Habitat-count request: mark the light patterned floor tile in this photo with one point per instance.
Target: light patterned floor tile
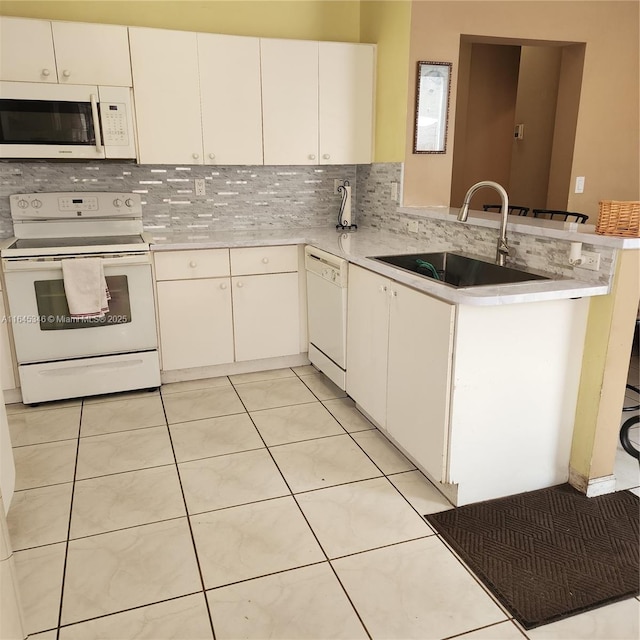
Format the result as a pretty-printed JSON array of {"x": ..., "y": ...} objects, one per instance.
[
  {"x": 269, "y": 394},
  {"x": 424, "y": 497},
  {"x": 184, "y": 618},
  {"x": 40, "y": 465},
  {"x": 500, "y": 631},
  {"x": 125, "y": 500},
  {"x": 39, "y": 516},
  {"x": 253, "y": 540},
  {"x": 259, "y": 376},
  {"x": 618, "y": 621},
  {"x": 35, "y": 427},
  {"x": 302, "y": 603},
  {"x": 360, "y": 516},
  {"x": 126, "y": 451},
  {"x": 129, "y": 568},
  {"x": 345, "y": 412},
  {"x": 201, "y": 403},
  {"x": 214, "y": 437},
  {"x": 18, "y": 407},
  {"x": 122, "y": 395},
  {"x": 225, "y": 481},
  {"x": 415, "y": 590},
  {"x": 295, "y": 423},
  {"x": 39, "y": 573},
  {"x": 122, "y": 415},
  {"x": 384, "y": 454},
  {"x": 305, "y": 370},
  {"x": 315, "y": 464},
  {"x": 194, "y": 385},
  {"x": 322, "y": 387}
]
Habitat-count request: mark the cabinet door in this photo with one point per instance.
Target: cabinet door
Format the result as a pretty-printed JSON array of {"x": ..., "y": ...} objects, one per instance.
[
  {"x": 7, "y": 377},
  {"x": 266, "y": 316},
  {"x": 367, "y": 341},
  {"x": 419, "y": 371},
  {"x": 167, "y": 95},
  {"x": 26, "y": 50},
  {"x": 229, "y": 69},
  {"x": 290, "y": 101},
  {"x": 346, "y": 82},
  {"x": 92, "y": 53},
  {"x": 194, "y": 317}
]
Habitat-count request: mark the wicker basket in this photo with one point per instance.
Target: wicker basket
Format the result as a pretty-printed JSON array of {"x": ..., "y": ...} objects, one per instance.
[{"x": 619, "y": 218}]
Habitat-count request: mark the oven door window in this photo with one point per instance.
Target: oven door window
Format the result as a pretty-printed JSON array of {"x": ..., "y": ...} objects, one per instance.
[
  {"x": 46, "y": 122},
  {"x": 53, "y": 310}
]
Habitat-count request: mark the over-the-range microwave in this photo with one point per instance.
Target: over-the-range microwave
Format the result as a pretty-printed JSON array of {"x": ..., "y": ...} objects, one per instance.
[{"x": 65, "y": 121}]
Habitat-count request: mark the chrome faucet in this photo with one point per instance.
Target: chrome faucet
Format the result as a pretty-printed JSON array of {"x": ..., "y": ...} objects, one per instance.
[{"x": 503, "y": 249}]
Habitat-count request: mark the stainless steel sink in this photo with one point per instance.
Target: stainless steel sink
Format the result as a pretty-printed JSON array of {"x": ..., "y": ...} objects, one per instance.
[{"x": 457, "y": 270}]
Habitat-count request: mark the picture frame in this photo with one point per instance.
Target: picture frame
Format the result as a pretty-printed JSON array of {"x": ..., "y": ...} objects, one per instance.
[{"x": 433, "y": 87}]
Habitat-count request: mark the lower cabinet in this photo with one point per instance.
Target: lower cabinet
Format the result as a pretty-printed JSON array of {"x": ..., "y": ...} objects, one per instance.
[
  {"x": 7, "y": 376},
  {"x": 399, "y": 353},
  {"x": 217, "y": 306}
]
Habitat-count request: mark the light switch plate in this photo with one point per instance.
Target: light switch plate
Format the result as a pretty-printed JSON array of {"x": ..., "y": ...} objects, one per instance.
[{"x": 580, "y": 184}]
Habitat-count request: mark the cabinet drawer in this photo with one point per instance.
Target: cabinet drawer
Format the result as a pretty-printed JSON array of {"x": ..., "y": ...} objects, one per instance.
[
  {"x": 186, "y": 265},
  {"x": 257, "y": 260}
]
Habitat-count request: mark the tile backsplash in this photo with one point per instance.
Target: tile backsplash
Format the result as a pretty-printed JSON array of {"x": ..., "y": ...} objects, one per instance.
[{"x": 238, "y": 197}]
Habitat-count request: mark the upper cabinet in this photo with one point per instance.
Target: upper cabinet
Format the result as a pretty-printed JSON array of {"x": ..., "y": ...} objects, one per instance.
[
  {"x": 167, "y": 95},
  {"x": 229, "y": 68},
  {"x": 317, "y": 100},
  {"x": 346, "y": 96},
  {"x": 64, "y": 52},
  {"x": 290, "y": 101},
  {"x": 197, "y": 97}
]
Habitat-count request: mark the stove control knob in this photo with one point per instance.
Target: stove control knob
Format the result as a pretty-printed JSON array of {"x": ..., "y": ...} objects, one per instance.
[
  {"x": 129, "y": 202},
  {"x": 117, "y": 202},
  {"x": 23, "y": 204},
  {"x": 36, "y": 204}
]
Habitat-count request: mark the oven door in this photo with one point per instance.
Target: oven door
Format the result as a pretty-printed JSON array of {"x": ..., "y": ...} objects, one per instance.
[{"x": 43, "y": 329}]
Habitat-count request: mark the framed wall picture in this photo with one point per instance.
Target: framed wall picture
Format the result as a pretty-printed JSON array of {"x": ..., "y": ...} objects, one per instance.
[{"x": 432, "y": 107}]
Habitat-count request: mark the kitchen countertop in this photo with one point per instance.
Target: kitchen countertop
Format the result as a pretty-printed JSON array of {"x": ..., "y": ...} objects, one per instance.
[{"x": 357, "y": 246}]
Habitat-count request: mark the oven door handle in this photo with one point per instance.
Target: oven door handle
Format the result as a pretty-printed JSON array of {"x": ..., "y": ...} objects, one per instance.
[
  {"x": 96, "y": 122},
  {"x": 48, "y": 264}
]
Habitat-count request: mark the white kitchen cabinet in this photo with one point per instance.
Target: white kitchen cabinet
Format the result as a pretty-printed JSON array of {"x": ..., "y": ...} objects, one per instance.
[
  {"x": 65, "y": 52},
  {"x": 399, "y": 345},
  {"x": 290, "y": 101},
  {"x": 167, "y": 95},
  {"x": 7, "y": 375},
  {"x": 194, "y": 308},
  {"x": 266, "y": 302},
  {"x": 229, "y": 69},
  {"x": 346, "y": 97},
  {"x": 317, "y": 102}
]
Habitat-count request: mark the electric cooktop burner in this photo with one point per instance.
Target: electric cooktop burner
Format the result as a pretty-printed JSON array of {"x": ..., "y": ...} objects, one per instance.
[{"x": 62, "y": 243}]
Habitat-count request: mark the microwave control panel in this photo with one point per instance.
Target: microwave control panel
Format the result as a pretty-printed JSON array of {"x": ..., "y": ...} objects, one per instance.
[{"x": 114, "y": 124}]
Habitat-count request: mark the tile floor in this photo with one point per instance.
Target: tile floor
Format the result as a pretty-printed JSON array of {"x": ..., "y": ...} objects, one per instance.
[{"x": 255, "y": 506}]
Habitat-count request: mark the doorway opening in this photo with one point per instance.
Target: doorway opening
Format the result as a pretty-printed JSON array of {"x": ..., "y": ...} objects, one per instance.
[{"x": 515, "y": 122}]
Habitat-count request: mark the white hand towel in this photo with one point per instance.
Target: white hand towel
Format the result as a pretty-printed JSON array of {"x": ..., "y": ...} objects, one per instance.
[{"x": 85, "y": 287}]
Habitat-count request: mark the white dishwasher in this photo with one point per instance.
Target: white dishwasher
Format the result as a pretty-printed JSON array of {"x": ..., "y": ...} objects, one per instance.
[{"x": 327, "y": 313}]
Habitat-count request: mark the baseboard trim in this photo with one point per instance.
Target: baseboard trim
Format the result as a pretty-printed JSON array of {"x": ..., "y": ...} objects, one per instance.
[{"x": 592, "y": 487}]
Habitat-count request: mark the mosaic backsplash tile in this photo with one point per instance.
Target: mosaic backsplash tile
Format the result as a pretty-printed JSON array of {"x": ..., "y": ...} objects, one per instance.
[{"x": 239, "y": 197}]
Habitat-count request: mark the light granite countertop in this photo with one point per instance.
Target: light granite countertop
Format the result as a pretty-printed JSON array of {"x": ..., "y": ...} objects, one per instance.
[{"x": 358, "y": 246}]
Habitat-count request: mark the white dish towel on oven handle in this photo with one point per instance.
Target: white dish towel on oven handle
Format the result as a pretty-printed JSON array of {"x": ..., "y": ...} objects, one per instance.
[{"x": 85, "y": 287}]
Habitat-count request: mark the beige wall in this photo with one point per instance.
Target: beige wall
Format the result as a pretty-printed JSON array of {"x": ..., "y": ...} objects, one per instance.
[{"x": 607, "y": 131}]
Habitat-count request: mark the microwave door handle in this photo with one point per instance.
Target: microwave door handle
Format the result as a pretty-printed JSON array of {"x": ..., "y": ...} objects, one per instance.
[{"x": 96, "y": 122}]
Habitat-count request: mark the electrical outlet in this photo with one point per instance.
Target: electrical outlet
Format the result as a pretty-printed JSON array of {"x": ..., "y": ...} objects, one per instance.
[
  {"x": 394, "y": 191},
  {"x": 200, "y": 190},
  {"x": 590, "y": 261}
]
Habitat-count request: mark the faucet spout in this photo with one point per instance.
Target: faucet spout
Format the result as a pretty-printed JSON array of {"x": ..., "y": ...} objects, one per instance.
[{"x": 503, "y": 248}]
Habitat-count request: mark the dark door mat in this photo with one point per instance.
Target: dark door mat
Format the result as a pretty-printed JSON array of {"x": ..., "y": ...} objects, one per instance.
[{"x": 549, "y": 554}]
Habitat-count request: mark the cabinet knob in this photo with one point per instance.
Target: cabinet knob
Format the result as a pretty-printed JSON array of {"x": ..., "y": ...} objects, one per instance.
[
  {"x": 326, "y": 156},
  {"x": 383, "y": 288},
  {"x": 195, "y": 156},
  {"x": 223, "y": 285},
  {"x": 212, "y": 156},
  {"x": 66, "y": 73},
  {"x": 193, "y": 264},
  {"x": 46, "y": 73},
  {"x": 312, "y": 156},
  {"x": 240, "y": 285},
  {"x": 394, "y": 294},
  {"x": 265, "y": 260}
]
